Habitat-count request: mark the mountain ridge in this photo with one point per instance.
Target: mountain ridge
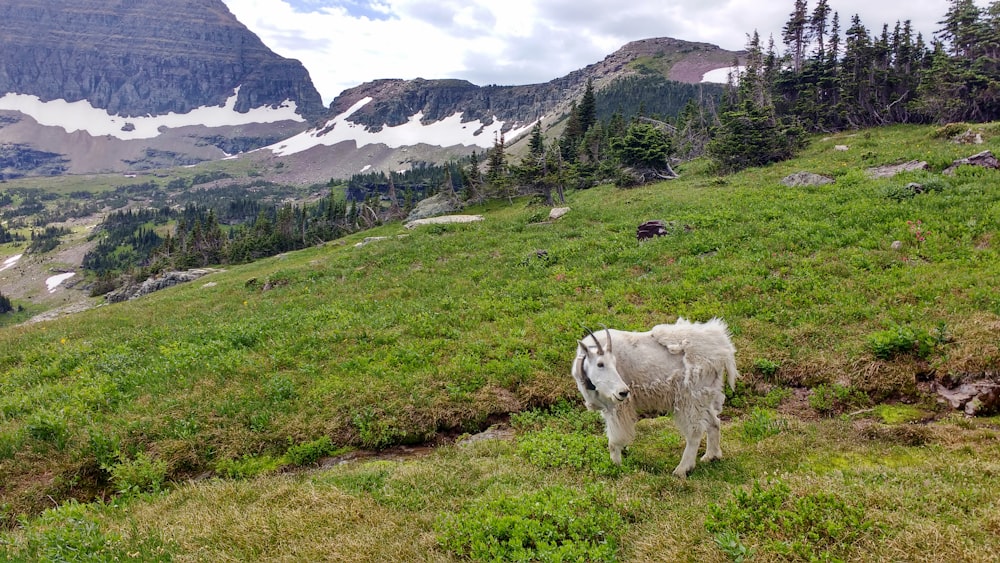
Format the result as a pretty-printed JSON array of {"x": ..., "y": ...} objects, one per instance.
[{"x": 118, "y": 86}]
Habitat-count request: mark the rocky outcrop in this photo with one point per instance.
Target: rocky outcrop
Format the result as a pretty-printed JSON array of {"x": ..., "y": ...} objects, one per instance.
[
  {"x": 984, "y": 159},
  {"x": 890, "y": 170},
  {"x": 156, "y": 283},
  {"x": 441, "y": 203},
  {"x": 801, "y": 179},
  {"x": 137, "y": 58}
]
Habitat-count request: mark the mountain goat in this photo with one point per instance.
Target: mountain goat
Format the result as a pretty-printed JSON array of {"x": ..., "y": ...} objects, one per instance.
[{"x": 677, "y": 368}]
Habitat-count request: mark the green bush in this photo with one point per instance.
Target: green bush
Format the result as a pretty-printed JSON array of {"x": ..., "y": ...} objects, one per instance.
[
  {"x": 811, "y": 527},
  {"x": 140, "y": 475},
  {"x": 247, "y": 467},
  {"x": 309, "y": 453},
  {"x": 900, "y": 340},
  {"x": 766, "y": 368},
  {"x": 550, "y": 448},
  {"x": 554, "y": 524}
]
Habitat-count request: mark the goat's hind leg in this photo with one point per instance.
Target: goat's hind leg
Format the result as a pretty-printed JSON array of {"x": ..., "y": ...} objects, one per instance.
[
  {"x": 692, "y": 438},
  {"x": 713, "y": 438},
  {"x": 713, "y": 427}
]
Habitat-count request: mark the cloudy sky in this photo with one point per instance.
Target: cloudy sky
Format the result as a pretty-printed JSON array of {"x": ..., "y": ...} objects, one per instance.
[{"x": 344, "y": 43}]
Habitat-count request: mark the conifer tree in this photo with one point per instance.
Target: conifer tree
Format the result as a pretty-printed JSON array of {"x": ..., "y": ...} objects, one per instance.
[
  {"x": 587, "y": 109},
  {"x": 569, "y": 143}
]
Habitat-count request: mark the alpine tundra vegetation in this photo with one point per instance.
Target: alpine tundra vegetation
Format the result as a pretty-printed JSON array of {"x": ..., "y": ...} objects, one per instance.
[{"x": 218, "y": 420}]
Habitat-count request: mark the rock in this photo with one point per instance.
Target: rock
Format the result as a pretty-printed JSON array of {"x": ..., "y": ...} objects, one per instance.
[
  {"x": 651, "y": 229},
  {"x": 439, "y": 204},
  {"x": 800, "y": 179},
  {"x": 444, "y": 219},
  {"x": 557, "y": 212},
  {"x": 969, "y": 137},
  {"x": 896, "y": 245},
  {"x": 890, "y": 170},
  {"x": 840, "y": 147},
  {"x": 984, "y": 159},
  {"x": 369, "y": 240},
  {"x": 491, "y": 433},
  {"x": 156, "y": 283},
  {"x": 978, "y": 398}
]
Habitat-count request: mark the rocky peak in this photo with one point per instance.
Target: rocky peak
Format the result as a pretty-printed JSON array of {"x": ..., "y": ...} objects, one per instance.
[
  {"x": 395, "y": 101},
  {"x": 137, "y": 58}
]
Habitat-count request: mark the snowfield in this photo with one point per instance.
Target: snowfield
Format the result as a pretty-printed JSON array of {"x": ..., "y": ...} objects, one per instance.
[
  {"x": 445, "y": 133},
  {"x": 54, "y": 282},
  {"x": 81, "y": 116},
  {"x": 10, "y": 262}
]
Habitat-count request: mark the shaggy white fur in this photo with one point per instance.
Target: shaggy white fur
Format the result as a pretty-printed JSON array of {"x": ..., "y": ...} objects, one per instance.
[{"x": 679, "y": 368}]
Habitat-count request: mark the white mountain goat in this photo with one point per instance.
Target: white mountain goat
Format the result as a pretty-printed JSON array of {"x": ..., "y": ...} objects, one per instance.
[{"x": 679, "y": 368}]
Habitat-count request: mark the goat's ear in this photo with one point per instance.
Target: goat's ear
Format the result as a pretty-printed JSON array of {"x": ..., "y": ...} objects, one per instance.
[{"x": 582, "y": 347}]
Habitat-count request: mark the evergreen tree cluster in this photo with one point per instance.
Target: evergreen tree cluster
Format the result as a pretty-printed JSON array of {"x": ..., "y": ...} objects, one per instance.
[
  {"x": 148, "y": 241},
  {"x": 827, "y": 82}
]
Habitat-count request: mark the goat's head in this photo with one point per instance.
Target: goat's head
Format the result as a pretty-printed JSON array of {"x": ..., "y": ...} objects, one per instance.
[{"x": 596, "y": 373}]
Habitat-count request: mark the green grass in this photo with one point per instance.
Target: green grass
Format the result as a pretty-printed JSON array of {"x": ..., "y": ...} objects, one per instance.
[{"x": 443, "y": 330}]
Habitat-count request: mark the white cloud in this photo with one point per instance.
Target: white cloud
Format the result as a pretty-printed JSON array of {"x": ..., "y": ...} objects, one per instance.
[{"x": 344, "y": 43}]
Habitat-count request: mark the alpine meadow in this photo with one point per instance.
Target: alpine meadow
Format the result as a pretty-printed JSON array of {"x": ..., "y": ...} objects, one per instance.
[
  {"x": 272, "y": 359},
  {"x": 211, "y": 421}
]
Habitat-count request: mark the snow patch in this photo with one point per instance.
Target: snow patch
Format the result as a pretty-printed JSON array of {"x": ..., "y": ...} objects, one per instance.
[
  {"x": 81, "y": 116},
  {"x": 721, "y": 75},
  {"x": 55, "y": 281},
  {"x": 447, "y": 132},
  {"x": 10, "y": 262}
]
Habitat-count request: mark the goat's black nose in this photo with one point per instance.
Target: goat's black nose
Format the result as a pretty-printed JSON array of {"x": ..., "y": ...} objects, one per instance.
[{"x": 623, "y": 394}]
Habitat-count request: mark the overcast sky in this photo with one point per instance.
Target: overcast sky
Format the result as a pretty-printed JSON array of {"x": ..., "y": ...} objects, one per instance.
[{"x": 344, "y": 43}]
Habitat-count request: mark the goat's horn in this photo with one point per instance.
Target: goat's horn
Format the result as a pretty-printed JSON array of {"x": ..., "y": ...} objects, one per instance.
[
  {"x": 608, "y": 332},
  {"x": 600, "y": 349}
]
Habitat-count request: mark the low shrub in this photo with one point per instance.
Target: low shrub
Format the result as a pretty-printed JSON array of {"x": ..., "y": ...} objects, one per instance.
[
  {"x": 900, "y": 340},
  {"x": 247, "y": 467},
  {"x": 554, "y": 524},
  {"x": 810, "y": 527},
  {"x": 309, "y": 453},
  {"x": 143, "y": 474}
]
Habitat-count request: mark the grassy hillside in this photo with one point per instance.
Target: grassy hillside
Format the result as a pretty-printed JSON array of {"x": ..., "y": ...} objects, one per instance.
[{"x": 190, "y": 413}]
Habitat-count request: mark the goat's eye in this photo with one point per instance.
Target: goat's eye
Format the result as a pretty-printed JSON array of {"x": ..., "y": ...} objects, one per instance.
[{"x": 600, "y": 364}]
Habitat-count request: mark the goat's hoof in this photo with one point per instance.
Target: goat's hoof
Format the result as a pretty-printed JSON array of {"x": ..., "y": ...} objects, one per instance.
[
  {"x": 715, "y": 457},
  {"x": 681, "y": 473}
]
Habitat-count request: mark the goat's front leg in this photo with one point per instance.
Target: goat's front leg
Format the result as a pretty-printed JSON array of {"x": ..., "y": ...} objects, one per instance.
[{"x": 621, "y": 433}]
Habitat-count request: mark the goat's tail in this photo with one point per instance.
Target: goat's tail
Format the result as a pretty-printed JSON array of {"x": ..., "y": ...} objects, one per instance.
[{"x": 732, "y": 371}]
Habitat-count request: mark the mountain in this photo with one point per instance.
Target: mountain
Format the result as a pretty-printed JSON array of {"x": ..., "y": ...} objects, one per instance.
[
  {"x": 97, "y": 86},
  {"x": 109, "y": 72},
  {"x": 392, "y": 124}
]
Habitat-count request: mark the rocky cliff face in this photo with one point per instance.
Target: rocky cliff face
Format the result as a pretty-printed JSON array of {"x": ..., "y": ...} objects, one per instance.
[
  {"x": 135, "y": 57},
  {"x": 395, "y": 101}
]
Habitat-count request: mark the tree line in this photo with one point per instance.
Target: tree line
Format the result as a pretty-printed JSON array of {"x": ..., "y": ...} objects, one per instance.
[{"x": 824, "y": 81}]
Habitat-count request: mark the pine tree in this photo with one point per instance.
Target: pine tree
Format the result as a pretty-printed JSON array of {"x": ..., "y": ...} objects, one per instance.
[
  {"x": 569, "y": 143},
  {"x": 587, "y": 109},
  {"x": 796, "y": 34}
]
